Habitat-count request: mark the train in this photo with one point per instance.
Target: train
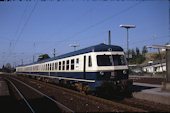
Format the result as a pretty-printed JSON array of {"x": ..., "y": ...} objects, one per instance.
[{"x": 86, "y": 69}]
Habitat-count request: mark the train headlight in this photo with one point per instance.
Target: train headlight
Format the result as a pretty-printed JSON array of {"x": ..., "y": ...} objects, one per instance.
[
  {"x": 101, "y": 73},
  {"x": 124, "y": 72}
]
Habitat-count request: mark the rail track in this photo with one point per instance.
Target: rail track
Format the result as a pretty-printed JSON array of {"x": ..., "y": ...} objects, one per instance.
[
  {"x": 20, "y": 94},
  {"x": 87, "y": 103},
  {"x": 42, "y": 103},
  {"x": 80, "y": 102},
  {"x": 145, "y": 105},
  {"x": 150, "y": 80}
]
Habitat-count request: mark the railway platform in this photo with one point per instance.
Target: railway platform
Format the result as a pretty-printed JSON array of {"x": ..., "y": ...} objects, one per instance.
[
  {"x": 3, "y": 88},
  {"x": 151, "y": 92},
  {"x": 7, "y": 103}
]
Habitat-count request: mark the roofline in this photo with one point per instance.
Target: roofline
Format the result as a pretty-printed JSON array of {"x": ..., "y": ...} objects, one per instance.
[{"x": 95, "y": 48}]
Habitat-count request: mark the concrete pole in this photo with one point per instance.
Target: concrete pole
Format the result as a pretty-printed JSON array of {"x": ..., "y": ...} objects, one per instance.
[{"x": 127, "y": 44}]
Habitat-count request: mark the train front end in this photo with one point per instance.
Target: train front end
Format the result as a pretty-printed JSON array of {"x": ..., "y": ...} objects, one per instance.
[{"x": 112, "y": 72}]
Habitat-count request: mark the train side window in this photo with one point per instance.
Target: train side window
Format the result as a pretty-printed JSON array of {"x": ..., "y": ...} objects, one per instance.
[
  {"x": 63, "y": 65},
  {"x": 48, "y": 66},
  {"x": 77, "y": 63},
  {"x": 72, "y": 64},
  {"x": 59, "y": 65},
  {"x": 56, "y": 64},
  {"x": 53, "y": 66},
  {"x": 67, "y": 65},
  {"x": 90, "y": 62}
]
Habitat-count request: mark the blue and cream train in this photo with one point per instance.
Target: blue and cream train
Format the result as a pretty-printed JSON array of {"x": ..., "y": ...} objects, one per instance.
[{"x": 92, "y": 66}]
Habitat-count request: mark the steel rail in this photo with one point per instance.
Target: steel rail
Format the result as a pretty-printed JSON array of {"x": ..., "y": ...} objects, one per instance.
[
  {"x": 21, "y": 95},
  {"x": 44, "y": 95}
]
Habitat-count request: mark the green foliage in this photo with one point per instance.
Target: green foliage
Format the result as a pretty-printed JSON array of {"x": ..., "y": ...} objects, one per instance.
[
  {"x": 137, "y": 51},
  {"x": 144, "y": 50},
  {"x": 7, "y": 68},
  {"x": 43, "y": 57},
  {"x": 137, "y": 57},
  {"x": 156, "y": 56}
]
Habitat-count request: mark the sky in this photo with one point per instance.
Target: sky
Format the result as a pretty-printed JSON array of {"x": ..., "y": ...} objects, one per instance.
[{"x": 34, "y": 27}]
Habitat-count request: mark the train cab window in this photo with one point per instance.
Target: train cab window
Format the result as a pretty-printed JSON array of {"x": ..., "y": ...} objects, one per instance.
[
  {"x": 119, "y": 60},
  {"x": 72, "y": 64},
  {"x": 110, "y": 60},
  {"x": 90, "y": 62},
  {"x": 59, "y": 65},
  {"x": 46, "y": 67},
  {"x": 56, "y": 65},
  {"x": 67, "y": 65},
  {"x": 63, "y": 65}
]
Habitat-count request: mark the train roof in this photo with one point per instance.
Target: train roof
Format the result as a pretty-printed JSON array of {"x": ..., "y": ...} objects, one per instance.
[{"x": 96, "y": 48}]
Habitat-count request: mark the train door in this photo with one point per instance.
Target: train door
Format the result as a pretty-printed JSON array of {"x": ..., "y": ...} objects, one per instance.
[{"x": 84, "y": 68}]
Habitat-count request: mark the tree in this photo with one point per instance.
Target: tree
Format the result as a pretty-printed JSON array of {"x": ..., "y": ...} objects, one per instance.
[
  {"x": 133, "y": 53},
  {"x": 137, "y": 57},
  {"x": 144, "y": 50},
  {"x": 43, "y": 57},
  {"x": 137, "y": 52},
  {"x": 8, "y": 65},
  {"x": 7, "y": 68},
  {"x": 140, "y": 59},
  {"x": 167, "y": 43}
]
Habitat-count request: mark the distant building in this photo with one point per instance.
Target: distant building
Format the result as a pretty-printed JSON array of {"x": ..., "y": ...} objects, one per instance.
[
  {"x": 166, "y": 45},
  {"x": 154, "y": 66}
]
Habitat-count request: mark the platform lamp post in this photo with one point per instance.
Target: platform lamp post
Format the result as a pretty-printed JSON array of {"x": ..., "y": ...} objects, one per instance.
[
  {"x": 127, "y": 27},
  {"x": 74, "y": 45}
]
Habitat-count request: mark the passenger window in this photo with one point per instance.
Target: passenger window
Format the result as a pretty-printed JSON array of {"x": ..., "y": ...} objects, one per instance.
[
  {"x": 90, "y": 61},
  {"x": 72, "y": 64},
  {"x": 56, "y": 64},
  {"x": 48, "y": 66},
  {"x": 53, "y": 66},
  {"x": 67, "y": 65},
  {"x": 63, "y": 65},
  {"x": 59, "y": 65},
  {"x": 77, "y": 63}
]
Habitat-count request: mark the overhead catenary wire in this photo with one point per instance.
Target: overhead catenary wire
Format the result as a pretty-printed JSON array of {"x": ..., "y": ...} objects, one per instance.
[
  {"x": 21, "y": 19},
  {"x": 25, "y": 24},
  {"x": 96, "y": 24},
  {"x": 21, "y": 31}
]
